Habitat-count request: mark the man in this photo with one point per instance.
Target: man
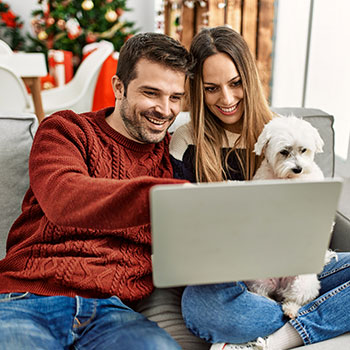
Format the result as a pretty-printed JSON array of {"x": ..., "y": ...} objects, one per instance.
[{"x": 80, "y": 253}]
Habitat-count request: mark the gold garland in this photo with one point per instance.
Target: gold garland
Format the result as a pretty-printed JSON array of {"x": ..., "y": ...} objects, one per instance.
[{"x": 104, "y": 35}]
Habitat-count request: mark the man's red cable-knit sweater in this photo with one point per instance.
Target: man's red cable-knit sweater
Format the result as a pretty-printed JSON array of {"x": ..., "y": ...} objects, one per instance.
[{"x": 85, "y": 223}]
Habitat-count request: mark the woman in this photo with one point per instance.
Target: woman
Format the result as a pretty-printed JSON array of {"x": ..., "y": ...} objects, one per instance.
[{"x": 228, "y": 112}]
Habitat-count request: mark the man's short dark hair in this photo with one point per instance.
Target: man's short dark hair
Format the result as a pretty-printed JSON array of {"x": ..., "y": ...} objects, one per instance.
[{"x": 155, "y": 47}]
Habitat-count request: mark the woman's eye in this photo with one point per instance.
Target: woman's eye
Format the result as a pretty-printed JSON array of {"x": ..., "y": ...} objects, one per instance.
[
  {"x": 237, "y": 83},
  {"x": 175, "y": 98},
  {"x": 210, "y": 89},
  {"x": 284, "y": 153}
]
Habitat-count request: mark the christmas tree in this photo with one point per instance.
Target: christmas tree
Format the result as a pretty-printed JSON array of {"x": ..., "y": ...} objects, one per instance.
[
  {"x": 11, "y": 25},
  {"x": 71, "y": 24}
]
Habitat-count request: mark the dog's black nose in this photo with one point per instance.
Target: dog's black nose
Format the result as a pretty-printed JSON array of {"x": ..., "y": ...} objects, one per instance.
[{"x": 297, "y": 170}]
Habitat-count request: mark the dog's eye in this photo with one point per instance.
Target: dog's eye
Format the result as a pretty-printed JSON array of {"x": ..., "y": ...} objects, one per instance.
[
  {"x": 284, "y": 153},
  {"x": 303, "y": 150}
]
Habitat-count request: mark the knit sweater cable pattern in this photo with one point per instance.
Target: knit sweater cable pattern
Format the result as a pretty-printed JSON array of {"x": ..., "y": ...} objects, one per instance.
[{"x": 85, "y": 223}]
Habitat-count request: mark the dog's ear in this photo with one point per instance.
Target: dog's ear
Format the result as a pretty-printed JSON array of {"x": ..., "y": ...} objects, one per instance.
[
  {"x": 318, "y": 141},
  {"x": 262, "y": 141}
]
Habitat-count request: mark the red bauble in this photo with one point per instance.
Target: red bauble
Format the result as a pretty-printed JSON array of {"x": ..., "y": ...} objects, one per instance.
[
  {"x": 91, "y": 38},
  {"x": 50, "y": 21},
  {"x": 128, "y": 37},
  {"x": 119, "y": 11}
]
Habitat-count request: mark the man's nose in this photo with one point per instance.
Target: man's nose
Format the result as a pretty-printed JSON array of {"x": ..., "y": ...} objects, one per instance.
[{"x": 163, "y": 107}]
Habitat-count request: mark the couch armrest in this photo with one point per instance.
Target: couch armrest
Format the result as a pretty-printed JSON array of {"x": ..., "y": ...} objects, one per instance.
[{"x": 341, "y": 233}]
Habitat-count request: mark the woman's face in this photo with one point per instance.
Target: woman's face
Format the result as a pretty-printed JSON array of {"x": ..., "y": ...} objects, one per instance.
[{"x": 223, "y": 90}]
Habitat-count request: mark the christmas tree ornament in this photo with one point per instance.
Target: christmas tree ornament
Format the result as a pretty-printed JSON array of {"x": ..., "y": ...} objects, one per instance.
[
  {"x": 61, "y": 24},
  {"x": 48, "y": 85},
  {"x": 42, "y": 35},
  {"x": 128, "y": 37},
  {"x": 111, "y": 16},
  {"x": 87, "y": 5},
  {"x": 73, "y": 28},
  {"x": 109, "y": 1},
  {"x": 50, "y": 21},
  {"x": 91, "y": 37},
  {"x": 119, "y": 11},
  {"x": 36, "y": 26}
]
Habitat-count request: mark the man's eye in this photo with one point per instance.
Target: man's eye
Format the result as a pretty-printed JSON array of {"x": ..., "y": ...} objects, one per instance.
[
  {"x": 175, "y": 98},
  {"x": 303, "y": 150},
  {"x": 284, "y": 153},
  {"x": 149, "y": 93}
]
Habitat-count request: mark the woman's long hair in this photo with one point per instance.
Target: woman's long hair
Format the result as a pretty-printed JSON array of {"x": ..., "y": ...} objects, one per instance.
[{"x": 209, "y": 135}]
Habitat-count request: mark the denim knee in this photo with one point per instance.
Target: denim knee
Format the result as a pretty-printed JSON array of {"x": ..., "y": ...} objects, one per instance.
[
  {"x": 227, "y": 312},
  {"x": 160, "y": 343},
  {"x": 204, "y": 308}
]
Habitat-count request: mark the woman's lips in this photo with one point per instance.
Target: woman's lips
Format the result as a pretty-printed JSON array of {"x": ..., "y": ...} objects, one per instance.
[{"x": 228, "y": 110}]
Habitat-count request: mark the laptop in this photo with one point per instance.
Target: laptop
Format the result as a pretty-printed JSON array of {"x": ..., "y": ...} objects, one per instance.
[{"x": 233, "y": 231}]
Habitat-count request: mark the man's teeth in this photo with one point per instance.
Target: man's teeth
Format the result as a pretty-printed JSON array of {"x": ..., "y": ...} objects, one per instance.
[
  {"x": 155, "y": 121},
  {"x": 229, "y": 110}
]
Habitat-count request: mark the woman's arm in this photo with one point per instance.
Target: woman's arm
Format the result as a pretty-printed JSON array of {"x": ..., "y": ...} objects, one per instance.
[{"x": 182, "y": 153}]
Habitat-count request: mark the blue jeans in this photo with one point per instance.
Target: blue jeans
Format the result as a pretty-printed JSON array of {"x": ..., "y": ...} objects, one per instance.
[
  {"x": 29, "y": 321},
  {"x": 228, "y": 312}
]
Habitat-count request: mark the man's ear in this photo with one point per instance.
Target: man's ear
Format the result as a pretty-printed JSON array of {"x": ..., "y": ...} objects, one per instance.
[{"x": 118, "y": 87}]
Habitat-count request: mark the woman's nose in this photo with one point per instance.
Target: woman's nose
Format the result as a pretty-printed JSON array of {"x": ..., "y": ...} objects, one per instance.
[{"x": 226, "y": 96}]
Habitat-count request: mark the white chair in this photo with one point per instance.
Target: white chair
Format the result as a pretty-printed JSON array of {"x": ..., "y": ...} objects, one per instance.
[
  {"x": 13, "y": 94},
  {"x": 5, "y": 48},
  {"x": 78, "y": 93}
]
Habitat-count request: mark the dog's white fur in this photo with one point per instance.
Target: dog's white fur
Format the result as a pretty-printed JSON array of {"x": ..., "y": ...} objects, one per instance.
[{"x": 289, "y": 145}]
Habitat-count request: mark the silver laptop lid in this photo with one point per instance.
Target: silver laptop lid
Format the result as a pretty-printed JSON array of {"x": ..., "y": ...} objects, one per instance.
[{"x": 220, "y": 232}]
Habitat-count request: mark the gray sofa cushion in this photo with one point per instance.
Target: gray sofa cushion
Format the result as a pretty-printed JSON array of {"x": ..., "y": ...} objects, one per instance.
[{"x": 17, "y": 133}]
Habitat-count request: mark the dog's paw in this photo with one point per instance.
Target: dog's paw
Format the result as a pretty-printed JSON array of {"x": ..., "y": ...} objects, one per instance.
[
  {"x": 290, "y": 308},
  {"x": 330, "y": 254}
]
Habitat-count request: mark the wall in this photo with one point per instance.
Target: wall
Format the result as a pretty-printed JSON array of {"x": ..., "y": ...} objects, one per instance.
[
  {"x": 23, "y": 9},
  {"x": 315, "y": 75},
  {"x": 143, "y": 14}
]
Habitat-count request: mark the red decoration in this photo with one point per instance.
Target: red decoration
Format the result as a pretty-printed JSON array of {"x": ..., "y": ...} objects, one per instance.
[
  {"x": 47, "y": 82},
  {"x": 119, "y": 11},
  {"x": 104, "y": 95},
  {"x": 8, "y": 17},
  {"x": 73, "y": 28},
  {"x": 50, "y": 21},
  {"x": 128, "y": 37},
  {"x": 61, "y": 66},
  {"x": 91, "y": 38}
]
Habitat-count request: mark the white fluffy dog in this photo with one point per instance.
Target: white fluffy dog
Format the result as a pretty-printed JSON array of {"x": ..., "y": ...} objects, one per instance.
[{"x": 289, "y": 145}]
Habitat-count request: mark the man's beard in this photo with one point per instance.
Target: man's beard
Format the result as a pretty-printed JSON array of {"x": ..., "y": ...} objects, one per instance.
[{"x": 137, "y": 130}]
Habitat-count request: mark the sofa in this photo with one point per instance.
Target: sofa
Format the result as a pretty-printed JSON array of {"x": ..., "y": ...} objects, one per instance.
[{"x": 17, "y": 132}]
